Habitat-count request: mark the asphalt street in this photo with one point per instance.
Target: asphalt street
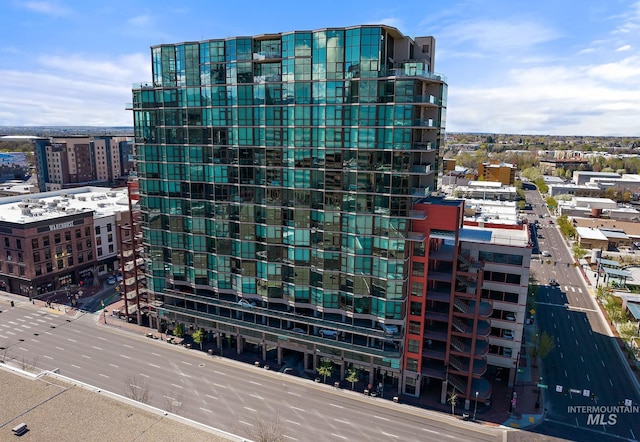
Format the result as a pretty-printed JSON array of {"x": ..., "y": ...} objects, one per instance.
[
  {"x": 218, "y": 392},
  {"x": 584, "y": 368}
]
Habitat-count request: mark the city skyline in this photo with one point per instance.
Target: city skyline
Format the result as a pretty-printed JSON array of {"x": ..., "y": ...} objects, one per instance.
[{"x": 540, "y": 68}]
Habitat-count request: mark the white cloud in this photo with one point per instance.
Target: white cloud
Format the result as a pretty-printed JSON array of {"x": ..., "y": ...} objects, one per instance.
[
  {"x": 583, "y": 100},
  {"x": 48, "y": 8},
  {"x": 623, "y": 48},
  {"x": 494, "y": 37},
  {"x": 140, "y": 20},
  {"x": 72, "y": 91}
]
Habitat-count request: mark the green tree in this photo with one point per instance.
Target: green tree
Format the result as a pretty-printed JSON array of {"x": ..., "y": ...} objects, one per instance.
[
  {"x": 533, "y": 174},
  {"x": 542, "y": 186},
  {"x": 325, "y": 369},
  {"x": 627, "y": 331},
  {"x": 198, "y": 337},
  {"x": 578, "y": 251},
  {"x": 352, "y": 376},
  {"x": 551, "y": 202},
  {"x": 541, "y": 346},
  {"x": 613, "y": 309},
  {"x": 178, "y": 330},
  {"x": 453, "y": 400}
]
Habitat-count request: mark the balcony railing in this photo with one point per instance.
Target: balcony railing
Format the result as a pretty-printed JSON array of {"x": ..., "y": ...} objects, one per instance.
[
  {"x": 266, "y": 55},
  {"x": 410, "y": 72}
]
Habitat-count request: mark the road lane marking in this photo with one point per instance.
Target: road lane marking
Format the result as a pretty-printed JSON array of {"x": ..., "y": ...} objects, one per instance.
[
  {"x": 246, "y": 423},
  {"x": 154, "y": 365},
  {"x": 596, "y": 346},
  {"x": 35, "y": 340},
  {"x": 565, "y": 374},
  {"x": 47, "y": 356},
  {"x": 101, "y": 338},
  {"x": 211, "y": 397},
  {"x": 125, "y": 356},
  {"x": 250, "y": 409},
  {"x": 381, "y": 418},
  {"x": 72, "y": 340},
  {"x": 220, "y": 386},
  {"x": 184, "y": 375},
  {"x": 581, "y": 358},
  {"x": 588, "y": 378},
  {"x": 156, "y": 354},
  {"x": 97, "y": 348},
  {"x": 60, "y": 348},
  {"x": 219, "y": 372},
  {"x": 204, "y": 409},
  {"x": 342, "y": 421},
  {"x": 337, "y": 406},
  {"x": 293, "y": 394},
  {"x": 185, "y": 362},
  {"x": 22, "y": 348},
  {"x": 86, "y": 356},
  {"x": 256, "y": 396},
  {"x": 28, "y": 317},
  {"x": 602, "y": 362},
  {"x": 144, "y": 375},
  {"x": 431, "y": 431},
  {"x": 255, "y": 383},
  {"x": 289, "y": 437},
  {"x": 114, "y": 365},
  {"x": 339, "y": 435},
  {"x": 611, "y": 382},
  {"x": 103, "y": 375},
  {"x": 292, "y": 422},
  {"x": 1, "y": 336},
  {"x": 297, "y": 408},
  {"x": 5, "y": 325},
  {"x": 76, "y": 366},
  {"x": 177, "y": 386},
  {"x": 21, "y": 320},
  {"x": 10, "y": 333},
  {"x": 577, "y": 343},
  {"x": 25, "y": 326},
  {"x": 41, "y": 320},
  {"x": 390, "y": 435},
  {"x": 572, "y": 328}
]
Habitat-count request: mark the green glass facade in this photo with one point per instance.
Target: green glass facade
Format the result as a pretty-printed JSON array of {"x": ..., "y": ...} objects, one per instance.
[{"x": 282, "y": 169}]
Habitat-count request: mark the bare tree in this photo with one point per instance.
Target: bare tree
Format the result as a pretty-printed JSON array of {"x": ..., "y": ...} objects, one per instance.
[
  {"x": 137, "y": 388},
  {"x": 173, "y": 403},
  {"x": 267, "y": 429}
]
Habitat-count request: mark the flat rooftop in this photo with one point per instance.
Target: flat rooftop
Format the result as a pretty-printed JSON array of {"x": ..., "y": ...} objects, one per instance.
[
  {"x": 51, "y": 205},
  {"x": 56, "y": 410}
]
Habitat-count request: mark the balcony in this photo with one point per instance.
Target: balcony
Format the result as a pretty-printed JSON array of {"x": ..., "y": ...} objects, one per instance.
[
  {"x": 417, "y": 214},
  {"x": 462, "y": 345},
  {"x": 425, "y": 122},
  {"x": 438, "y": 296},
  {"x": 422, "y": 168},
  {"x": 266, "y": 55},
  {"x": 421, "y": 192},
  {"x": 424, "y": 146},
  {"x": 412, "y": 72},
  {"x": 416, "y": 236}
]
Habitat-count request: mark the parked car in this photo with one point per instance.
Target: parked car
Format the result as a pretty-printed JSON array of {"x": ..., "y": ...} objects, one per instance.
[
  {"x": 247, "y": 304},
  {"x": 507, "y": 334},
  {"x": 545, "y": 253},
  {"x": 550, "y": 221},
  {"x": 553, "y": 282},
  {"x": 119, "y": 278},
  {"x": 330, "y": 334},
  {"x": 111, "y": 280},
  {"x": 298, "y": 330},
  {"x": 390, "y": 329}
]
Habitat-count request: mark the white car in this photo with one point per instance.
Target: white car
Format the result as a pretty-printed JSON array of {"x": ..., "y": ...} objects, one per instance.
[
  {"x": 390, "y": 329},
  {"x": 247, "y": 304},
  {"x": 331, "y": 334},
  {"x": 507, "y": 334},
  {"x": 545, "y": 253}
]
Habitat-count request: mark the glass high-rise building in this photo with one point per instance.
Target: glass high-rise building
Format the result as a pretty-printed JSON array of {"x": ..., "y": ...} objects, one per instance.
[{"x": 278, "y": 175}]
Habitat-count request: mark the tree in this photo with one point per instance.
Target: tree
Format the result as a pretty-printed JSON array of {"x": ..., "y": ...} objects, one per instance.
[
  {"x": 453, "y": 400},
  {"x": 541, "y": 347},
  {"x": 178, "y": 330},
  {"x": 628, "y": 330},
  {"x": 137, "y": 388},
  {"x": 267, "y": 429},
  {"x": 198, "y": 337},
  {"x": 578, "y": 251},
  {"x": 613, "y": 309},
  {"x": 325, "y": 369},
  {"x": 352, "y": 376},
  {"x": 532, "y": 174}
]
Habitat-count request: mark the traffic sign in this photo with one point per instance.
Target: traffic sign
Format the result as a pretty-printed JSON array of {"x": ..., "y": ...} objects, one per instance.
[{"x": 543, "y": 386}]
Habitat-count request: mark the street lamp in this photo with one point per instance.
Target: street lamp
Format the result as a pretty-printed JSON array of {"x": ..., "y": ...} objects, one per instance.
[
  {"x": 513, "y": 388},
  {"x": 475, "y": 407},
  {"x": 539, "y": 388}
]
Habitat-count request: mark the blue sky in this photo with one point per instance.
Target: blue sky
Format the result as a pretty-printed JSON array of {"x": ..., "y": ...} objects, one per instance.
[{"x": 568, "y": 67}]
